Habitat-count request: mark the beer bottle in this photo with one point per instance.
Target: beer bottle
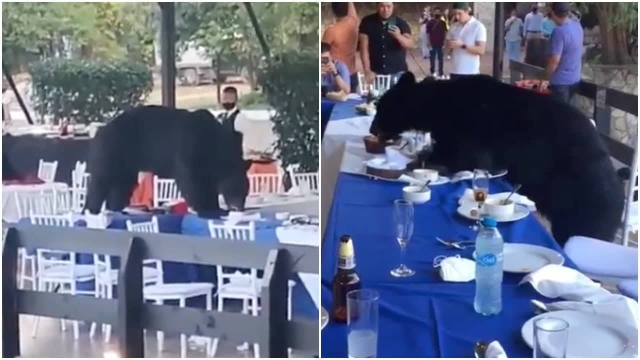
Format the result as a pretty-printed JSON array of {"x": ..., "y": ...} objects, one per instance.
[{"x": 345, "y": 279}]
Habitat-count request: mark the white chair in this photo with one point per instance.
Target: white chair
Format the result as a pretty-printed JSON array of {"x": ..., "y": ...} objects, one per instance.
[
  {"x": 160, "y": 292},
  {"x": 59, "y": 269},
  {"x": 260, "y": 184},
  {"x": 380, "y": 84},
  {"x": 303, "y": 183},
  {"x": 164, "y": 190},
  {"x": 630, "y": 220},
  {"x": 79, "y": 184},
  {"x": 237, "y": 285},
  {"x": 47, "y": 171},
  {"x": 156, "y": 273}
]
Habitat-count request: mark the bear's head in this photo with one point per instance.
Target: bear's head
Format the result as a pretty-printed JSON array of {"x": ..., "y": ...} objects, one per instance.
[
  {"x": 234, "y": 183},
  {"x": 397, "y": 109}
]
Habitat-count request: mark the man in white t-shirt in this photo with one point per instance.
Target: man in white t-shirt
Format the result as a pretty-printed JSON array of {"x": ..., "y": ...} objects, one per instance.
[{"x": 467, "y": 37}]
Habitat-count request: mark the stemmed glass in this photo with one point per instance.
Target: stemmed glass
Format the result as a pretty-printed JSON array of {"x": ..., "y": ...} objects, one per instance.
[{"x": 403, "y": 222}]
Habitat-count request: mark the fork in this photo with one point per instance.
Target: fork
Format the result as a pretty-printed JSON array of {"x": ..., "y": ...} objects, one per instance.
[{"x": 460, "y": 245}]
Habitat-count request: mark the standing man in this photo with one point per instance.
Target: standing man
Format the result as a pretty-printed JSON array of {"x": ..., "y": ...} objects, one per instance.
[
  {"x": 424, "y": 38},
  {"x": 467, "y": 38},
  {"x": 231, "y": 117},
  {"x": 564, "y": 64},
  {"x": 513, "y": 38},
  {"x": 335, "y": 74},
  {"x": 342, "y": 36},
  {"x": 547, "y": 24},
  {"x": 384, "y": 39},
  {"x": 437, "y": 31},
  {"x": 532, "y": 24}
]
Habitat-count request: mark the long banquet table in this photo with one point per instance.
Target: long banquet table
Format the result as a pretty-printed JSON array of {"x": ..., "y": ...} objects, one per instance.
[{"x": 421, "y": 316}]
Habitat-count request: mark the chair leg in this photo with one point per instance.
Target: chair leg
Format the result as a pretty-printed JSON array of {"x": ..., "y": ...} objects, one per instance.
[
  {"x": 254, "y": 312},
  {"x": 98, "y": 289},
  {"x": 160, "y": 334},
  {"x": 216, "y": 341},
  {"x": 33, "y": 273},
  {"x": 107, "y": 327},
  {"x": 40, "y": 286},
  {"x": 23, "y": 268},
  {"x": 183, "y": 337}
]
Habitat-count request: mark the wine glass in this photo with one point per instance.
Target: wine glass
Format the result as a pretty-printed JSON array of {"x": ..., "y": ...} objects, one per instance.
[
  {"x": 403, "y": 222},
  {"x": 480, "y": 185}
]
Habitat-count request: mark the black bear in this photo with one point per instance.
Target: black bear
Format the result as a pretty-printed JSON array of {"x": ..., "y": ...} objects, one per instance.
[
  {"x": 193, "y": 148},
  {"x": 547, "y": 146}
]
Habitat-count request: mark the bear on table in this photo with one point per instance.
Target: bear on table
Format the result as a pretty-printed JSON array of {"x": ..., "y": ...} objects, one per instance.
[
  {"x": 549, "y": 147},
  {"x": 193, "y": 148}
]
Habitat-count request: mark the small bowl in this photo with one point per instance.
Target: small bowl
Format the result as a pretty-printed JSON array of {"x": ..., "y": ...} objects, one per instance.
[
  {"x": 373, "y": 145},
  {"x": 495, "y": 207},
  {"x": 416, "y": 194},
  {"x": 426, "y": 174}
]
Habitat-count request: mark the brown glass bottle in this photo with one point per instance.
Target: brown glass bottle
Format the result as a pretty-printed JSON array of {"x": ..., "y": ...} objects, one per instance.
[{"x": 345, "y": 280}]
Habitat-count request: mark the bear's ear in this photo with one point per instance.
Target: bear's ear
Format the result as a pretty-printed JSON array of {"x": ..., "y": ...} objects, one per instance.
[{"x": 406, "y": 79}]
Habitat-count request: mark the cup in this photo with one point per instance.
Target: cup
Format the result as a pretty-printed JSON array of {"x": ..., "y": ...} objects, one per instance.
[
  {"x": 550, "y": 335},
  {"x": 362, "y": 323},
  {"x": 495, "y": 207},
  {"x": 426, "y": 174}
]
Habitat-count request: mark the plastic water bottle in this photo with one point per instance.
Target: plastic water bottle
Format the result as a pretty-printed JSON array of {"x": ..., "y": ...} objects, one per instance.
[{"x": 489, "y": 249}]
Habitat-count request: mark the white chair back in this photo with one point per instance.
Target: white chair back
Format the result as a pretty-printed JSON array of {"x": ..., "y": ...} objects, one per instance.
[
  {"x": 102, "y": 263},
  {"x": 265, "y": 184},
  {"x": 79, "y": 185},
  {"x": 630, "y": 222},
  {"x": 164, "y": 190},
  {"x": 381, "y": 83},
  {"x": 65, "y": 261},
  {"x": 148, "y": 227},
  {"x": 37, "y": 202},
  {"x": 232, "y": 232},
  {"x": 303, "y": 183},
  {"x": 47, "y": 170}
]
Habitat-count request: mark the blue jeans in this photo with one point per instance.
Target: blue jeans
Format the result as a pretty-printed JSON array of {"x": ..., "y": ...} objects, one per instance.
[
  {"x": 513, "y": 50},
  {"x": 563, "y": 92},
  {"x": 436, "y": 54}
]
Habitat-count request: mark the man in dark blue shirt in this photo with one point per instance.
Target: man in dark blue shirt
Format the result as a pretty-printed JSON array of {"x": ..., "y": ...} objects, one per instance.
[{"x": 564, "y": 65}]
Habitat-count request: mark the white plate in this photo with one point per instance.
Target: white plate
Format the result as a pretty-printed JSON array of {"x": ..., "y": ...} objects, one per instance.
[
  {"x": 521, "y": 212},
  {"x": 591, "y": 335},
  {"x": 363, "y": 171},
  {"x": 526, "y": 258},
  {"x": 469, "y": 175},
  {"x": 324, "y": 318}
]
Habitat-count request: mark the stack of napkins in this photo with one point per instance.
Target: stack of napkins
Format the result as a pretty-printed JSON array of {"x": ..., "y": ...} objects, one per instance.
[{"x": 581, "y": 294}]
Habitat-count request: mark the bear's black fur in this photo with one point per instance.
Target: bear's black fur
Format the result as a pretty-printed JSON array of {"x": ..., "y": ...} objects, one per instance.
[
  {"x": 549, "y": 147},
  {"x": 193, "y": 148}
]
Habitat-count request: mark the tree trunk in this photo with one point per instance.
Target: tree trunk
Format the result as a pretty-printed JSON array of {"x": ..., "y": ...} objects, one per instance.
[
  {"x": 612, "y": 37},
  {"x": 218, "y": 82}
]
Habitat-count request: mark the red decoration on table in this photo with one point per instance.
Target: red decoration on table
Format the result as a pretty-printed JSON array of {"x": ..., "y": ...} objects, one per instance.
[{"x": 541, "y": 86}]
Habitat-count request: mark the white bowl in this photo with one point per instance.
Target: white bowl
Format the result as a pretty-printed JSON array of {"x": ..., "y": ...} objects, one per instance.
[
  {"x": 495, "y": 207},
  {"x": 282, "y": 216},
  {"x": 416, "y": 194},
  {"x": 426, "y": 174}
]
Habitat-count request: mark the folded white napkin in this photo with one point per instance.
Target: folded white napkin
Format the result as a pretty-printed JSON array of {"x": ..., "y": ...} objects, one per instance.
[
  {"x": 495, "y": 350},
  {"x": 517, "y": 198},
  {"x": 354, "y": 96},
  {"x": 239, "y": 216},
  {"x": 299, "y": 235},
  {"x": 455, "y": 268},
  {"x": 581, "y": 293}
]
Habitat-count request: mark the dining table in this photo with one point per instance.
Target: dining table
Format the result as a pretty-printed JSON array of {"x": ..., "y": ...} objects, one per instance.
[{"x": 420, "y": 316}]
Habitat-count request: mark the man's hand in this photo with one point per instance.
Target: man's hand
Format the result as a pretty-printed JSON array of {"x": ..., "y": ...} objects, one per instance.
[
  {"x": 455, "y": 43},
  {"x": 331, "y": 67},
  {"x": 369, "y": 76},
  {"x": 394, "y": 31}
]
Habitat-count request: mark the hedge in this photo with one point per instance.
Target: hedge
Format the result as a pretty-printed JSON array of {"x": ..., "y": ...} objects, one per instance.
[{"x": 86, "y": 91}]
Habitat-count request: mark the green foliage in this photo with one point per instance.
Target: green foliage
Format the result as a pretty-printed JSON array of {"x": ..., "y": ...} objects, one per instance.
[
  {"x": 83, "y": 91},
  {"x": 291, "y": 86},
  {"x": 252, "y": 100},
  {"x": 81, "y": 30}
]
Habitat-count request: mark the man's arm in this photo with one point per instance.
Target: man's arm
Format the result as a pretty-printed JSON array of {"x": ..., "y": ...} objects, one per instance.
[
  {"x": 364, "y": 52},
  {"x": 328, "y": 35},
  {"x": 352, "y": 13},
  {"x": 555, "y": 50},
  {"x": 527, "y": 18},
  {"x": 478, "y": 48},
  {"x": 404, "y": 37},
  {"x": 343, "y": 79}
]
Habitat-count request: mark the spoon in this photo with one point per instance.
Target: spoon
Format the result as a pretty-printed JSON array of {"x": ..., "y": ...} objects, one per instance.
[
  {"x": 424, "y": 187},
  {"x": 480, "y": 350},
  {"x": 515, "y": 189},
  {"x": 539, "y": 306},
  {"x": 456, "y": 244}
]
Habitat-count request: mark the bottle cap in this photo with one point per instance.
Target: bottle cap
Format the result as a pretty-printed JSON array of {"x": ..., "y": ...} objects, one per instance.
[
  {"x": 489, "y": 221},
  {"x": 346, "y": 246}
]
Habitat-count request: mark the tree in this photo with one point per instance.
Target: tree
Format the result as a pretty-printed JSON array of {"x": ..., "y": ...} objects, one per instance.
[{"x": 618, "y": 31}]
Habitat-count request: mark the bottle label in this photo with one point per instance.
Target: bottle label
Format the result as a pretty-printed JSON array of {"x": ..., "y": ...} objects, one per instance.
[
  {"x": 487, "y": 260},
  {"x": 346, "y": 263}
]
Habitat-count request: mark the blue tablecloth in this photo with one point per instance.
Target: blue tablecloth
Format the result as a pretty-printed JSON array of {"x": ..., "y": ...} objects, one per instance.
[
  {"x": 422, "y": 316},
  {"x": 326, "y": 108},
  {"x": 344, "y": 109},
  {"x": 175, "y": 272}
]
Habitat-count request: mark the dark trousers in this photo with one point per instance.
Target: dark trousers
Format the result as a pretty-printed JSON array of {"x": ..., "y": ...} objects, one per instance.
[
  {"x": 459, "y": 76},
  {"x": 436, "y": 54},
  {"x": 354, "y": 83},
  {"x": 563, "y": 92}
]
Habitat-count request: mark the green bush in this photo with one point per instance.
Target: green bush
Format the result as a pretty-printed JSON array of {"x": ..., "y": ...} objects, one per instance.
[
  {"x": 83, "y": 92},
  {"x": 253, "y": 100},
  {"x": 291, "y": 86}
]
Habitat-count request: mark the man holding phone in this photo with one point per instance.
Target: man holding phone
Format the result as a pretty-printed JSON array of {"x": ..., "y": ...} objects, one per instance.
[
  {"x": 384, "y": 39},
  {"x": 335, "y": 73},
  {"x": 467, "y": 38}
]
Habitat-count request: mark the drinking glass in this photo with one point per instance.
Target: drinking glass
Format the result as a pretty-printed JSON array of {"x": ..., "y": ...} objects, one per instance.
[
  {"x": 362, "y": 323},
  {"x": 550, "y": 336},
  {"x": 403, "y": 222}
]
